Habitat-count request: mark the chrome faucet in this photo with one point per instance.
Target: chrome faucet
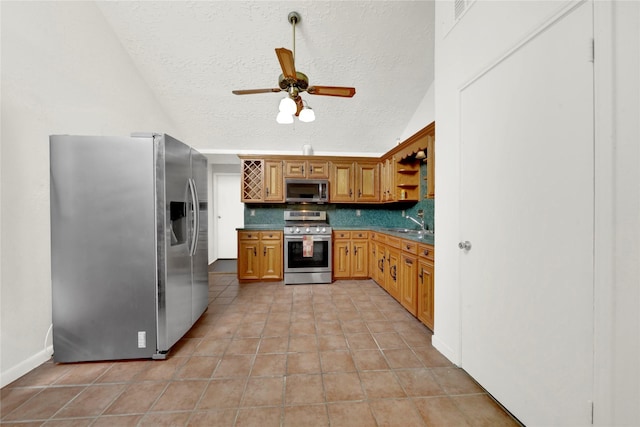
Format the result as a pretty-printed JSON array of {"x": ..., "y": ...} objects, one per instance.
[{"x": 421, "y": 223}]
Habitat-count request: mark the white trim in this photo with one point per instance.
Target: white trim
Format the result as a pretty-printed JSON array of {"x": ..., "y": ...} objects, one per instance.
[
  {"x": 27, "y": 365},
  {"x": 214, "y": 186},
  {"x": 446, "y": 351}
]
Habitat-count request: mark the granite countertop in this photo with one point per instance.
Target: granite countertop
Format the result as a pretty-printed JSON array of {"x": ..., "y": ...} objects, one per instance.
[
  {"x": 261, "y": 227},
  {"x": 427, "y": 238}
]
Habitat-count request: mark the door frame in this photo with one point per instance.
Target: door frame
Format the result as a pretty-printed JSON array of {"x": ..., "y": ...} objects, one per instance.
[{"x": 214, "y": 219}]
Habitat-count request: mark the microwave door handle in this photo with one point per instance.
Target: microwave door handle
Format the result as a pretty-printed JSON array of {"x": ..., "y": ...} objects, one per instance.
[{"x": 315, "y": 238}]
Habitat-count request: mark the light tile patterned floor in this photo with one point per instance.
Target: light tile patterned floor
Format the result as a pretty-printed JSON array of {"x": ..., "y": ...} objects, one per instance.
[{"x": 266, "y": 354}]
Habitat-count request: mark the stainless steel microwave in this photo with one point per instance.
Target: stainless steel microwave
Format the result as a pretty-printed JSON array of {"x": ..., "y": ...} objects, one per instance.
[{"x": 306, "y": 190}]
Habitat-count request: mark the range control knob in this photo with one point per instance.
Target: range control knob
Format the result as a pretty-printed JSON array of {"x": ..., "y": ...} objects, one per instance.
[
  {"x": 308, "y": 230},
  {"x": 297, "y": 229},
  {"x": 317, "y": 229},
  {"x": 324, "y": 230}
]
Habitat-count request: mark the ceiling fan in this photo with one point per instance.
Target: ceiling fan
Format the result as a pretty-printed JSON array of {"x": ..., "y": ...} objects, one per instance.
[{"x": 294, "y": 82}]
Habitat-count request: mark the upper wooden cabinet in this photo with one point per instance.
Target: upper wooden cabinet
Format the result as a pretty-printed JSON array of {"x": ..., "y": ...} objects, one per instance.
[
  {"x": 367, "y": 182},
  {"x": 401, "y": 173},
  {"x": 394, "y": 177},
  {"x": 262, "y": 181},
  {"x": 388, "y": 180},
  {"x": 306, "y": 169},
  {"x": 431, "y": 165},
  {"x": 357, "y": 182},
  {"x": 341, "y": 182}
]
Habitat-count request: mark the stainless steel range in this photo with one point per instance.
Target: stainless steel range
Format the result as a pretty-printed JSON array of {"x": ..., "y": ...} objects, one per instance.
[{"x": 307, "y": 247}]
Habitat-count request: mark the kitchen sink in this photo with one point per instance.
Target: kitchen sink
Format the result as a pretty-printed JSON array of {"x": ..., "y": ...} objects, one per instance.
[{"x": 408, "y": 231}]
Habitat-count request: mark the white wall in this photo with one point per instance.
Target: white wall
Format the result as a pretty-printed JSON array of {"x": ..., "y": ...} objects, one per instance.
[
  {"x": 63, "y": 72},
  {"x": 425, "y": 114},
  {"x": 486, "y": 31}
]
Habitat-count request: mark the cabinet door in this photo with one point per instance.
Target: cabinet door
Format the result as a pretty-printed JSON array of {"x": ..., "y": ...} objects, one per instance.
[
  {"x": 392, "y": 279},
  {"x": 341, "y": 184},
  {"x": 359, "y": 259},
  {"x": 431, "y": 167},
  {"x": 271, "y": 259},
  {"x": 294, "y": 168},
  {"x": 317, "y": 169},
  {"x": 425, "y": 292},
  {"x": 373, "y": 260},
  {"x": 382, "y": 265},
  {"x": 252, "y": 181},
  {"x": 341, "y": 258},
  {"x": 408, "y": 282},
  {"x": 367, "y": 182},
  {"x": 248, "y": 261},
  {"x": 390, "y": 165},
  {"x": 273, "y": 181}
]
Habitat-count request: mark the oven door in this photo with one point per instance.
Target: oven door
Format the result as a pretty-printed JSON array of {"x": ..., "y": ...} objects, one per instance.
[{"x": 319, "y": 260}]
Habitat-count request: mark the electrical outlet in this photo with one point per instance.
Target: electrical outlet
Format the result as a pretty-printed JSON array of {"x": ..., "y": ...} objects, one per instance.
[
  {"x": 357, "y": 212},
  {"x": 403, "y": 215},
  {"x": 252, "y": 212}
]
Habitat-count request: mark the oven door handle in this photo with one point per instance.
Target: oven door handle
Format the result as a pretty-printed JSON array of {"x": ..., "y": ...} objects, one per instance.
[{"x": 315, "y": 238}]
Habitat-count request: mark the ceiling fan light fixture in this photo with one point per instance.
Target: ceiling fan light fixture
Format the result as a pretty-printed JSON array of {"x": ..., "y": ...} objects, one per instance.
[
  {"x": 284, "y": 118},
  {"x": 287, "y": 105},
  {"x": 307, "y": 115}
]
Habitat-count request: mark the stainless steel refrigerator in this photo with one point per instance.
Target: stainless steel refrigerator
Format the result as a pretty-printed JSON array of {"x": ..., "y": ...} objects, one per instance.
[{"x": 128, "y": 245}]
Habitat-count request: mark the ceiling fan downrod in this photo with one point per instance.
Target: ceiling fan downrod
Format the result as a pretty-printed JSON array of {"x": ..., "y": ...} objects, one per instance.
[{"x": 294, "y": 18}]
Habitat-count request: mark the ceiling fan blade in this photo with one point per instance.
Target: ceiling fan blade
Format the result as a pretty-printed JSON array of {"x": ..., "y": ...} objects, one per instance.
[
  {"x": 346, "y": 92},
  {"x": 252, "y": 91},
  {"x": 299, "y": 105},
  {"x": 285, "y": 57}
]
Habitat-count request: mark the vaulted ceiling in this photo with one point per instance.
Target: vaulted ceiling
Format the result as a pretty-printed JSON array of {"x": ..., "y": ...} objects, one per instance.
[{"x": 193, "y": 54}]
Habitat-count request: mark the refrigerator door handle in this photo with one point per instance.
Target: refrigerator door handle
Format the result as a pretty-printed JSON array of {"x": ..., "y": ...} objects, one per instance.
[{"x": 196, "y": 217}]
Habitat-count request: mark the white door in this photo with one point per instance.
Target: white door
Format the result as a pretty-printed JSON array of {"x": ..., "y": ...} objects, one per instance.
[
  {"x": 527, "y": 203},
  {"x": 229, "y": 214}
]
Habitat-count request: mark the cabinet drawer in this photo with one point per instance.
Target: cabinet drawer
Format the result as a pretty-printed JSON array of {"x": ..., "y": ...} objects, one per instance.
[
  {"x": 394, "y": 242},
  {"x": 410, "y": 246},
  {"x": 359, "y": 234},
  {"x": 271, "y": 235},
  {"x": 427, "y": 251},
  {"x": 377, "y": 237},
  {"x": 341, "y": 234},
  {"x": 248, "y": 235}
]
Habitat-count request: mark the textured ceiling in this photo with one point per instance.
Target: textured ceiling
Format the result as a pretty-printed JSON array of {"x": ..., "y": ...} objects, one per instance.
[{"x": 194, "y": 53}]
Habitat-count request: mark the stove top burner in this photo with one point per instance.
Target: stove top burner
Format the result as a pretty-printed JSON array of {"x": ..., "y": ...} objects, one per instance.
[{"x": 306, "y": 222}]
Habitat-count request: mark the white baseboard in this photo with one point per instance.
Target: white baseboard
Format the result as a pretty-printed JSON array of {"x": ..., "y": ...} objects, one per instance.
[
  {"x": 15, "y": 372},
  {"x": 446, "y": 351}
]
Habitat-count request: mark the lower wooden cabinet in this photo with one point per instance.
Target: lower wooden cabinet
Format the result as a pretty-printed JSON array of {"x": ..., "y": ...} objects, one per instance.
[
  {"x": 404, "y": 268},
  {"x": 391, "y": 278},
  {"x": 260, "y": 255},
  {"x": 409, "y": 282},
  {"x": 426, "y": 285},
  {"x": 350, "y": 255}
]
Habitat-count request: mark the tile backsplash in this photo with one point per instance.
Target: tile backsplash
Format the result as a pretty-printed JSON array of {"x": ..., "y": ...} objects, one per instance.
[{"x": 346, "y": 215}]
